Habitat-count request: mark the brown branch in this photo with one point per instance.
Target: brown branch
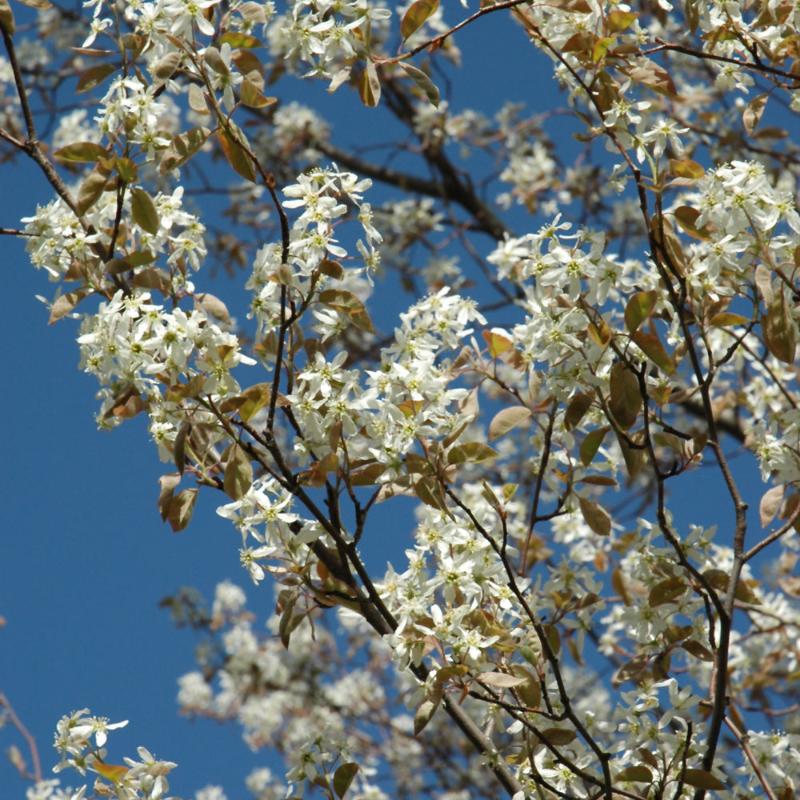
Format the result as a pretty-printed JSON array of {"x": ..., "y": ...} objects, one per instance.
[
  {"x": 741, "y": 737},
  {"x": 25, "y": 734},
  {"x": 688, "y": 51},
  {"x": 438, "y": 41}
]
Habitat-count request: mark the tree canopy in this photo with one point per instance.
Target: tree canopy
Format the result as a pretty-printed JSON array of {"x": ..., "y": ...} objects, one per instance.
[{"x": 597, "y": 328}]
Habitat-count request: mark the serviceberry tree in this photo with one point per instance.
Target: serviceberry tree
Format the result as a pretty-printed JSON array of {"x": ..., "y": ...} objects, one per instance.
[{"x": 561, "y": 627}]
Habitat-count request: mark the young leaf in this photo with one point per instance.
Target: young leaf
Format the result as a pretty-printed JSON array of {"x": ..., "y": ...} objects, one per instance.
[
  {"x": 347, "y": 303},
  {"x": 591, "y": 444},
  {"x": 64, "y": 304},
  {"x": 577, "y": 407},
  {"x": 770, "y": 504},
  {"x": 471, "y": 452},
  {"x": 94, "y": 76},
  {"x": 236, "y": 155},
  {"x": 252, "y": 97},
  {"x": 507, "y": 419},
  {"x": 165, "y": 67},
  {"x": 636, "y": 773},
  {"x": 91, "y": 188},
  {"x": 780, "y": 334},
  {"x": 179, "y": 513},
  {"x": 144, "y": 211},
  {"x": 81, "y": 153},
  {"x": 595, "y": 516},
  {"x": 343, "y": 777},
  {"x": 686, "y": 168},
  {"x": 666, "y": 591},
  {"x": 639, "y": 308},
  {"x": 418, "y": 12},
  {"x": 753, "y": 112},
  {"x": 423, "y": 82},
  {"x": 238, "y": 473},
  {"x": 424, "y": 715},
  {"x": 702, "y": 779},
  {"x": 501, "y": 680},
  {"x": 369, "y": 86},
  {"x": 625, "y": 400},
  {"x": 651, "y": 345},
  {"x": 167, "y": 485}
]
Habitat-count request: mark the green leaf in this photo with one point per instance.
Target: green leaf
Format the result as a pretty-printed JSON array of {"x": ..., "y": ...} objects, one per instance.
[
  {"x": 126, "y": 169},
  {"x": 94, "y": 76},
  {"x": 252, "y": 97},
  {"x": 144, "y": 212},
  {"x": 687, "y": 217},
  {"x": 686, "y": 168},
  {"x": 577, "y": 407},
  {"x": 343, "y": 777},
  {"x": 237, "y": 39},
  {"x": 235, "y": 154},
  {"x": 238, "y": 473},
  {"x": 702, "y": 779},
  {"x": 81, "y": 152},
  {"x": 91, "y": 188},
  {"x": 497, "y": 342},
  {"x": 625, "y": 400},
  {"x": 666, "y": 591},
  {"x": 347, "y": 303},
  {"x": 507, "y": 419},
  {"x": 558, "y": 737},
  {"x": 423, "y": 82},
  {"x": 637, "y": 774},
  {"x": 256, "y": 397},
  {"x": 471, "y": 451},
  {"x": 727, "y": 319},
  {"x": 620, "y": 20},
  {"x": 780, "y": 335},
  {"x": 601, "y": 47},
  {"x": 595, "y": 516},
  {"x": 183, "y": 147},
  {"x": 697, "y": 650},
  {"x": 165, "y": 67},
  {"x": 651, "y": 346},
  {"x": 639, "y": 309},
  {"x": 418, "y": 12},
  {"x": 214, "y": 59},
  {"x": 429, "y": 490},
  {"x": 424, "y": 715},
  {"x": 591, "y": 444}
]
